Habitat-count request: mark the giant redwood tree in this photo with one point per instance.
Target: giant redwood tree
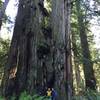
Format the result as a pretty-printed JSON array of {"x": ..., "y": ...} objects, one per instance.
[{"x": 39, "y": 54}]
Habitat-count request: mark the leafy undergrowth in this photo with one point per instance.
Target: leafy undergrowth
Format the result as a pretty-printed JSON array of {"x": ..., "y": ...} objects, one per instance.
[
  {"x": 88, "y": 95},
  {"x": 26, "y": 96}
]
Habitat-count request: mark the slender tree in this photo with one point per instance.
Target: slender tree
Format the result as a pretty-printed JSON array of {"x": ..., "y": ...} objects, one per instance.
[{"x": 87, "y": 62}]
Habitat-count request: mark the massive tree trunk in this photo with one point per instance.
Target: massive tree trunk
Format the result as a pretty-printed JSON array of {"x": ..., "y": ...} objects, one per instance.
[
  {"x": 62, "y": 59},
  {"x": 30, "y": 54},
  {"x": 87, "y": 62},
  {"x": 18, "y": 55},
  {"x": 2, "y": 11}
]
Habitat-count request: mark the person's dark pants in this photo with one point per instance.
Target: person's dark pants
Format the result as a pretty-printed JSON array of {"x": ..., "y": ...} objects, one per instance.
[{"x": 53, "y": 98}]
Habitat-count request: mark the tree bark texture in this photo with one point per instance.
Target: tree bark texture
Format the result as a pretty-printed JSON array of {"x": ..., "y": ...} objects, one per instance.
[{"x": 61, "y": 35}]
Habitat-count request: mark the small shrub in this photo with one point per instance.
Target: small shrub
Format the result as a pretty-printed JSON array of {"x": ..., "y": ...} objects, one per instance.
[{"x": 1, "y": 98}]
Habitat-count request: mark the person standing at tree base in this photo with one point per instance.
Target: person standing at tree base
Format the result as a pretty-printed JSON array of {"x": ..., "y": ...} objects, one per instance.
[
  {"x": 49, "y": 92},
  {"x": 53, "y": 95}
]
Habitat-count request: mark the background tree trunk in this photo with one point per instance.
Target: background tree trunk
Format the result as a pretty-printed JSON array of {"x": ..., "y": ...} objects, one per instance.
[
  {"x": 76, "y": 62},
  {"x": 2, "y": 11},
  {"x": 87, "y": 62}
]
